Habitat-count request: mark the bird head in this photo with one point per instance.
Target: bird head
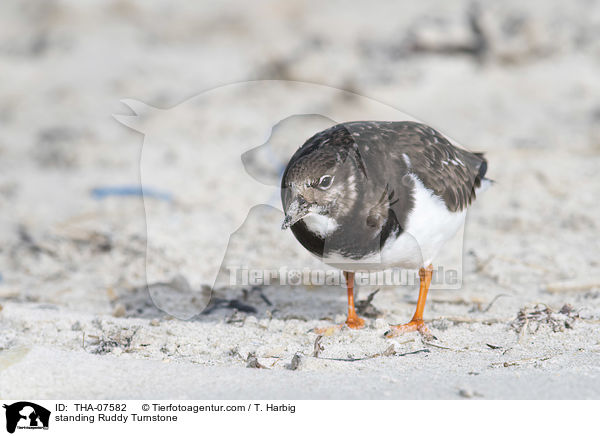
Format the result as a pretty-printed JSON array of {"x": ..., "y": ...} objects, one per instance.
[
  {"x": 317, "y": 187},
  {"x": 309, "y": 197}
]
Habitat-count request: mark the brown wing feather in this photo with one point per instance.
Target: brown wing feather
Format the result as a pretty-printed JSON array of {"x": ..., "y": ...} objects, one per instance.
[{"x": 450, "y": 172}]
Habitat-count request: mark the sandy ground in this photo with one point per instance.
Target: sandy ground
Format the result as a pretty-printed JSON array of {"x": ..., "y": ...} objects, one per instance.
[{"x": 518, "y": 82}]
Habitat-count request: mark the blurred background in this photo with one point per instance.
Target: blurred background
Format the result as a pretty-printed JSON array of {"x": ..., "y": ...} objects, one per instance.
[{"x": 517, "y": 81}]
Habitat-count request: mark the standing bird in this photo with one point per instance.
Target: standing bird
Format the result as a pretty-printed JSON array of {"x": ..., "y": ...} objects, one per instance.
[{"x": 372, "y": 195}]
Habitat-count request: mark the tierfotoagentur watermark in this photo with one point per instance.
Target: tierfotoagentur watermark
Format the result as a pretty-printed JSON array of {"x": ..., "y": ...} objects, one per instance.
[{"x": 284, "y": 276}]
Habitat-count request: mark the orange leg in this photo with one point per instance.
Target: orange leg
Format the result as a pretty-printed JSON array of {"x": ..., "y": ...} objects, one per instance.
[
  {"x": 417, "y": 323},
  {"x": 353, "y": 321}
]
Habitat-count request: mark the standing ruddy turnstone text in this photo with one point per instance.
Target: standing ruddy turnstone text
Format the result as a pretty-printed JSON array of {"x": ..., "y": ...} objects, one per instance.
[{"x": 372, "y": 195}]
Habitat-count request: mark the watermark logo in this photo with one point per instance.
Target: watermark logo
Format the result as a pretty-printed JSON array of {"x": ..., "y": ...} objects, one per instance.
[
  {"x": 24, "y": 415},
  {"x": 284, "y": 276},
  {"x": 211, "y": 170}
]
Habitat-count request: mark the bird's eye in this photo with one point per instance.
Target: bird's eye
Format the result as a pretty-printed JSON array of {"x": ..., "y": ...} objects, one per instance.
[{"x": 325, "y": 182}]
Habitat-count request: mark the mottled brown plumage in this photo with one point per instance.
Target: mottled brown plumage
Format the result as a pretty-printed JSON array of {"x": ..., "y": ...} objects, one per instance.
[
  {"x": 452, "y": 173},
  {"x": 374, "y": 164}
]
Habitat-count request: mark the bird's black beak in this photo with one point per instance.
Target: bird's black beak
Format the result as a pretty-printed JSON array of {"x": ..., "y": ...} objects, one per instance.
[{"x": 296, "y": 210}]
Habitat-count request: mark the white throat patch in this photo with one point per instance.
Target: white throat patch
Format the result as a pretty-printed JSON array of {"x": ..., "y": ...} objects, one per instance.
[{"x": 320, "y": 225}]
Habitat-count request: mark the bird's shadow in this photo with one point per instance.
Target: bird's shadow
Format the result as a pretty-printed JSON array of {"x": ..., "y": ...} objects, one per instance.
[{"x": 236, "y": 303}]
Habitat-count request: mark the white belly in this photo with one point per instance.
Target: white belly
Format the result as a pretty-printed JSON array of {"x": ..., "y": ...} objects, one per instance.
[{"x": 428, "y": 227}]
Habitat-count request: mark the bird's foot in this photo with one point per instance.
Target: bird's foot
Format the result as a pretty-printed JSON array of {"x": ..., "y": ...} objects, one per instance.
[
  {"x": 412, "y": 326},
  {"x": 352, "y": 322}
]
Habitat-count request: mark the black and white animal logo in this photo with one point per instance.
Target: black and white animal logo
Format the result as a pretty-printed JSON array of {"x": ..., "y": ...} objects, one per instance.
[{"x": 26, "y": 415}]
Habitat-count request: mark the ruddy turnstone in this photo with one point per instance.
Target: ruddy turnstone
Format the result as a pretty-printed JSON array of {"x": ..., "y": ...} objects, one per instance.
[{"x": 372, "y": 195}]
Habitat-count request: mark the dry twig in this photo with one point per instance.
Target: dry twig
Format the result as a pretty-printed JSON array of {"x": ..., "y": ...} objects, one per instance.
[{"x": 318, "y": 347}]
